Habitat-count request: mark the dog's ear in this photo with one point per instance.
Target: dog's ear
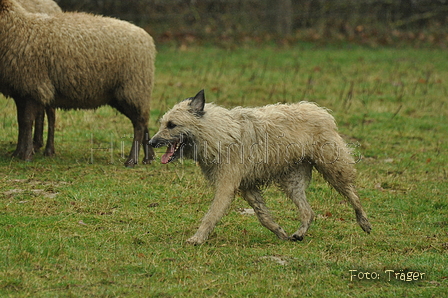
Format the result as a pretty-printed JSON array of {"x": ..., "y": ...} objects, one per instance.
[{"x": 197, "y": 103}]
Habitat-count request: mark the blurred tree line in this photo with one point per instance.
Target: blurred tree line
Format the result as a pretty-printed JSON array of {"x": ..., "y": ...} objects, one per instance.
[{"x": 380, "y": 21}]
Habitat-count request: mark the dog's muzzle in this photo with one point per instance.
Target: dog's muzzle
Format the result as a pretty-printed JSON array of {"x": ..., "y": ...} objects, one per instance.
[
  {"x": 172, "y": 151},
  {"x": 156, "y": 143}
]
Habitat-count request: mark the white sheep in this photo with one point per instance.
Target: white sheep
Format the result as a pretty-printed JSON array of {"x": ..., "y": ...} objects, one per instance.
[
  {"x": 75, "y": 61},
  {"x": 48, "y": 7},
  {"x": 40, "y": 6}
]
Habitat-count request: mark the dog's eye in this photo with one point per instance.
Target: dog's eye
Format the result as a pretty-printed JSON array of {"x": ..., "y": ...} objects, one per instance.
[{"x": 170, "y": 125}]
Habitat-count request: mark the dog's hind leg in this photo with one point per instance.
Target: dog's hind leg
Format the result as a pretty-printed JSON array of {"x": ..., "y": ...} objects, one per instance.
[
  {"x": 349, "y": 192},
  {"x": 294, "y": 185},
  {"x": 341, "y": 175},
  {"x": 255, "y": 200},
  {"x": 361, "y": 216}
]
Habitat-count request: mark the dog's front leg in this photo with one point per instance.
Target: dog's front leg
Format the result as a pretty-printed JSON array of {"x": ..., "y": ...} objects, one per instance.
[{"x": 221, "y": 202}]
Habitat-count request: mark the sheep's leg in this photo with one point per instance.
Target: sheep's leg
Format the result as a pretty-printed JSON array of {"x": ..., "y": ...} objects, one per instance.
[
  {"x": 294, "y": 185},
  {"x": 38, "y": 140},
  {"x": 147, "y": 150},
  {"x": 137, "y": 141},
  {"x": 26, "y": 115},
  {"x": 141, "y": 138},
  {"x": 51, "y": 116},
  {"x": 139, "y": 120},
  {"x": 255, "y": 200}
]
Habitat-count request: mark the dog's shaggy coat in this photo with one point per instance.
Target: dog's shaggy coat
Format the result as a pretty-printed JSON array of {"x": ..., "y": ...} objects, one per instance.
[{"x": 243, "y": 149}]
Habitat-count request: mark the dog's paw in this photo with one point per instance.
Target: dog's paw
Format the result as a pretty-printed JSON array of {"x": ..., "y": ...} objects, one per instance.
[
  {"x": 296, "y": 237},
  {"x": 365, "y": 224},
  {"x": 195, "y": 240}
]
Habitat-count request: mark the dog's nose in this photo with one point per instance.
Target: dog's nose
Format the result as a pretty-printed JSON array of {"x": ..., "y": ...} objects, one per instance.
[{"x": 153, "y": 142}]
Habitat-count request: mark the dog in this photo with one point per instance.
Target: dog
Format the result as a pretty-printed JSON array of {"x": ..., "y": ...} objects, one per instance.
[{"x": 242, "y": 150}]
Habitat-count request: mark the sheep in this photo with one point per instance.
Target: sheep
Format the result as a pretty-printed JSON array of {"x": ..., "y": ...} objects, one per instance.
[
  {"x": 75, "y": 61},
  {"x": 48, "y": 7},
  {"x": 40, "y": 6}
]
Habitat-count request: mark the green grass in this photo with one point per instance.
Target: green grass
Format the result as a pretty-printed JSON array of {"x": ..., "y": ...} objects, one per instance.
[{"x": 82, "y": 225}]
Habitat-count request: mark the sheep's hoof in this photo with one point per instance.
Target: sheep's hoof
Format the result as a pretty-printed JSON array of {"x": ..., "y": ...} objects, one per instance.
[
  {"x": 129, "y": 165},
  {"x": 37, "y": 147},
  {"x": 23, "y": 155},
  {"x": 49, "y": 153},
  {"x": 147, "y": 161}
]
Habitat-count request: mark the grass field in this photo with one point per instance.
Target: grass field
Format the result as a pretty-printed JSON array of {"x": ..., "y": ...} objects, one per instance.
[{"x": 82, "y": 225}]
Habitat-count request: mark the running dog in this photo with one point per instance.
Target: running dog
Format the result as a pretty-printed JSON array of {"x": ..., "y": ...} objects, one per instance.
[{"x": 244, "y": 149}]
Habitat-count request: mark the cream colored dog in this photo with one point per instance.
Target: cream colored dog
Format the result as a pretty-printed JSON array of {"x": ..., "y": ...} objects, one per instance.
[{"x": 243, "y": 149}]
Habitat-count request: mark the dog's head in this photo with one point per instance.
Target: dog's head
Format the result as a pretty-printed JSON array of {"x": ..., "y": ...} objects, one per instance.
[{"x": 177, "y": 128}]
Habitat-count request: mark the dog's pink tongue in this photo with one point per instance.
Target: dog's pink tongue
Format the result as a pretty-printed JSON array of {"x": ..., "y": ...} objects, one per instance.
[{"x": 169, "y": 152}]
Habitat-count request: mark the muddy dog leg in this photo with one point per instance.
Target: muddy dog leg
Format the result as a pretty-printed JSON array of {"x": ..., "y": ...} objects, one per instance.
[
  {"x": 223, "y": 197},
  {"x": 255, "y": 200},
  {"x": 361, "y": 217},
  {"x": 294, "y": 185},
  {"x": 341, "y": 176}
]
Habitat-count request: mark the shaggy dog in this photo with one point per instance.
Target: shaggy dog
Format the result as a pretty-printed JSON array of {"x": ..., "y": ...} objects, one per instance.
[{"x": 244, "y": 149}]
